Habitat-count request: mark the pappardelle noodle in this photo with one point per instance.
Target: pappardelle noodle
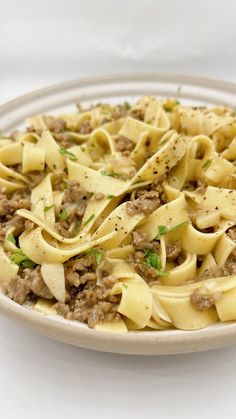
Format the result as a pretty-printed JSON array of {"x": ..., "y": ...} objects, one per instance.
[{"x": 122, "y": 217}]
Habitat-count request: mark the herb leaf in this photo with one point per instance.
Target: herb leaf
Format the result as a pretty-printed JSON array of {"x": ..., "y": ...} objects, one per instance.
[
  {"x": 11, "y": 238},
  {"x": 125, "y": 285},
  {"x": 64, "y": 152},
  {"x": 97, "y": 253},
  {"x": 63, "y": 215},
  {"x": 19, "y": 258},
  {"x": 127, "y": 105},
  {"x": 47, "y": 208},
  {"x": 162, "y": 230},
  {"x": 111, "y": 174},
  {"x": 206, "y": 164},
  {"x": 152, "y": 259},
  {"x": 88, "y": 220},
  {"x": 110, "y": 196}
]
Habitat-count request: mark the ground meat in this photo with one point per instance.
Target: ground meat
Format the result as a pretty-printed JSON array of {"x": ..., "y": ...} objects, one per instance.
[
  {"x": 230, "y": 266},
  {"x": 89, "y": 302},
  {"x": 31, "y": 129},
  {"x": 9, "y": 205},
  {"x": 18, "y": 289},
  {"x": 38, "y": 285},
  {"x": 75, "y": 193},
  {"x": 35, "y": 178},
  {"x": 119, "y": 112},
  {"x": 26, "y": 282},
  {"x": 232, "y": 233},
  {"x": 138, "y": 259},
  {"x": 63, "y": 139},
  {"x": 62, "y": 309},
  {"x": 85, "y": 128},
  {"x": 29, "y": 225},
  {"x": 146, "y": 272},
  {"x": 103, "y": 270},
  {"x": 140, "y": 242},
  {"x": 2, "y": 235},
  {"x": 98, "y": 196},
  {"x": 80, "y": 271},
  {"x": 213, "y": 272},
  {"x": 173, "y": 251},
  {"x": 74, "y": 202},
  {"x": 123, "y": 144},
  {"x": 146, "y": 204},
  {"x": 200, "y": 301},
  {"x": 137, "y": 114},
  {"x": 55, "y": 124}
]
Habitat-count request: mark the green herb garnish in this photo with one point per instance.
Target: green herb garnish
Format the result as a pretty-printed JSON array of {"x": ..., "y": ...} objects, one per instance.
[
  {"x": 88, "y": 220},
  {"x": 127, "y": 105},
  {"x": 111, "y": 174},
  {"x": 47, "y": 208},
  {"x": 153, "y": 260},
  {"x": 162, "y": 230},
  {"x": 67, "y": 153},
  {"x": 63, "y": 215},
  {"x": 125, "y": 286},
  {"x": 19, "y": 258},
  {"x": 97, "y": 253},
  {"x": 110, "y": 196},
  {"x": 206, "y": 164},
  {"x": 167, "y": 108},
  {"x": 11, "y": 238}
]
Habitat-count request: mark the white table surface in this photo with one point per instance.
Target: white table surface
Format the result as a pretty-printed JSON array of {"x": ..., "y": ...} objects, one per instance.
[{"x": 50, "y": 41}]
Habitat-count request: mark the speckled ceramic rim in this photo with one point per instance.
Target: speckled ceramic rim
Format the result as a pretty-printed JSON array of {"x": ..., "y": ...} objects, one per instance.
[{"x": 118, "y": 87}]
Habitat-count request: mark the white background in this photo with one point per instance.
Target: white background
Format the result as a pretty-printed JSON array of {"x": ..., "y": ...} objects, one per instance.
[{"x": 45, "y": 42}]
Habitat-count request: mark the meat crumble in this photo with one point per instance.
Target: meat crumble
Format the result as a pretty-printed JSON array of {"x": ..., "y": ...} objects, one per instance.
[{"x": 74, "y": 204}]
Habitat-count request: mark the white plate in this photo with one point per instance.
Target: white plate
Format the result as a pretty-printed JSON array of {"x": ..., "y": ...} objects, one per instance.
[{"x": 117, "y": 89}]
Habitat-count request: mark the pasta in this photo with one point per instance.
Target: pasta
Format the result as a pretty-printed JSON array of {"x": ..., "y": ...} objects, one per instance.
[{"x": 122, "y": 217}]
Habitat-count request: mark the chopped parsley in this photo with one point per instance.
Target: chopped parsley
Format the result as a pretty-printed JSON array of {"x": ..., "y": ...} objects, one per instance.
[
  {"x": 97, "y": 253},
  {"x": 47, "y": 208},
  {"x": 153, "y": 260},
  {"x": 206, "y": 164},
  {"x": 64, "y": 152},
  {"x": 19, "y": 258},
  {"x": 125, "y": 285},
  {"x": 162, "y": 230},
  {"x": 11, "y": 238},
  {"x": 127, "y": 105},
  {"x": 88, "y": 220},
  {"x": 63, "y": 215},
  {"x": 111, "y": 174},
  {"x": 110, "y": 196}
]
